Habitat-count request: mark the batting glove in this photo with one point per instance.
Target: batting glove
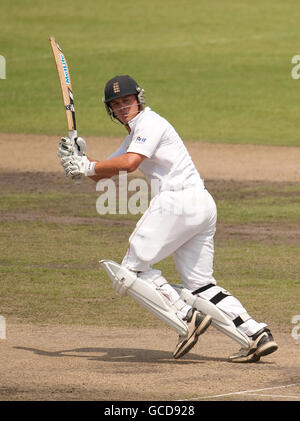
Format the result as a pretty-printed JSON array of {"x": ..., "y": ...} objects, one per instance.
[
  {"x": 80, "y": 145},
  {"x": 69, "y": 147},
  {"x": 78, "y": 165}
]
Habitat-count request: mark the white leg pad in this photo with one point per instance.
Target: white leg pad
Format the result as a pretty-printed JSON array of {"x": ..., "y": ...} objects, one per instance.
[
  {"x": 219, "y": 319},
  {"x": 146, "y": 290}
]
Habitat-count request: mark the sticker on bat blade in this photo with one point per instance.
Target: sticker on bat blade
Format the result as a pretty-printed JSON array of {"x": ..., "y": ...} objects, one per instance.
[
  {"x": 71, "y": 99},
  {"x": 65, "y": 68},
  {"x": 57, "y": 45},
  {"x": 71, "y": 108},
  {"x": 71, "y": 95}
]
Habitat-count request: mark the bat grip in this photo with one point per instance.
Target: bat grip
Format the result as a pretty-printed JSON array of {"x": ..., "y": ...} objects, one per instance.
[{"x": 77, "y": 179}]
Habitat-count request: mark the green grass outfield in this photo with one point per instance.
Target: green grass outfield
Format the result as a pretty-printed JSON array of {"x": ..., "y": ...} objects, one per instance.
[{"x": 220, "y": 71}]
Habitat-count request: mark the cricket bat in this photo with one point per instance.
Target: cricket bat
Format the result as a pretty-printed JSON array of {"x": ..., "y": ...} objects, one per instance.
[{"x": 66, "y": 90}]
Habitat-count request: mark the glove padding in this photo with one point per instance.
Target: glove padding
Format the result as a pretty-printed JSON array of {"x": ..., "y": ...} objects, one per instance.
[
  {"x": 69, "y": 147},
  {"x": 77, "y": 165}
]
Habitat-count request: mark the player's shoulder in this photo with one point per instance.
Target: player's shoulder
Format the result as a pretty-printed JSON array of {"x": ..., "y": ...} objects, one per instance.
[{"x": 150, "y": 117}]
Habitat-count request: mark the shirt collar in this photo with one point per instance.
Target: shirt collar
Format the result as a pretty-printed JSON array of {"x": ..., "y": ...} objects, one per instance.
[{"x": 133, "y": 122}]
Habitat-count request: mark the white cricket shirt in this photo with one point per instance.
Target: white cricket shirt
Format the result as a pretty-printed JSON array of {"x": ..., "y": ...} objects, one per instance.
[{"x": 169, "y": 164}]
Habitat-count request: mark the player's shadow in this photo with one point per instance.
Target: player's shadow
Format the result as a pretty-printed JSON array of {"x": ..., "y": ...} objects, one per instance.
[{"x": 130, "y": 355}]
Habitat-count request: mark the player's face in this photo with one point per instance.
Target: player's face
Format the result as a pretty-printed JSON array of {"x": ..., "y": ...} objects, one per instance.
[{"x": 125, "y": 108}]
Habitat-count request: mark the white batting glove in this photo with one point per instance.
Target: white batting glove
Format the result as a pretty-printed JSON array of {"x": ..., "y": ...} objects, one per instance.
[
  {"x": 78, "y": 165},
  {"x": 68, "y": 147},
  {"x": 65, "y": 147},
  {"x": 80, "y": 145}
]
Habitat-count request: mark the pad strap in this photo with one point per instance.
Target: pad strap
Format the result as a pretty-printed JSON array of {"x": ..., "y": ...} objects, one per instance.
[
  {"x": 159, "y": 282},
  {"x": 123, "y": 280},
  {"x": 216, "y": 298},
  {"x": 202, "y": 289},
  {"x": 242, "y": 318}
]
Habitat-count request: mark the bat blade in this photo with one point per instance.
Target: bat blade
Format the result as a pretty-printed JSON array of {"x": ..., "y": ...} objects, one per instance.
[
  {"x": 66, "y": 90},
  {"x": 65, "y": 84}
]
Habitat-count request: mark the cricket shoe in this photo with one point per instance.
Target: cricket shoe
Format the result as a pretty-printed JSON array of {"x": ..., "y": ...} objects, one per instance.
[
  {"x": 197, "y": 324},
  {"x": 262, "y": 344}
]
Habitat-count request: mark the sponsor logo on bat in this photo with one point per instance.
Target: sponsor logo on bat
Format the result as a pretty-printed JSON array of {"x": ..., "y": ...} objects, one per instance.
[{"x": 65, "y": 68}]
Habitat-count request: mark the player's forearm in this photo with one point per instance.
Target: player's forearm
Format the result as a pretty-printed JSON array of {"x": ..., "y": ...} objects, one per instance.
[{"x": 112, "y": 166}]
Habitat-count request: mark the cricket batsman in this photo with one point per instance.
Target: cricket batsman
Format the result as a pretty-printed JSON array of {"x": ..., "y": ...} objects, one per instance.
[{"x": 180, "y": 221}]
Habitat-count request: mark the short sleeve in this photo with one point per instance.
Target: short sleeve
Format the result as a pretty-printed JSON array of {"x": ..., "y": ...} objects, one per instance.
[{"x": 147, "y": 136}]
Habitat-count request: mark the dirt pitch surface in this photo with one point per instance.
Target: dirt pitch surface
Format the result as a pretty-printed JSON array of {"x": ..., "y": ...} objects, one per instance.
[{"x": 41, "y": 362}]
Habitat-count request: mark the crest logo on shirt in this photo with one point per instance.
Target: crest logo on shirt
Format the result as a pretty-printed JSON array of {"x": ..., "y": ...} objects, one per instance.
[{"x": 140, "y": 139}]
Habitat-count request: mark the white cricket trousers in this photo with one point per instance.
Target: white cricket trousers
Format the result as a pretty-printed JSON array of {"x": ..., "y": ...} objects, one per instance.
[{"x": 183, "y": 223}]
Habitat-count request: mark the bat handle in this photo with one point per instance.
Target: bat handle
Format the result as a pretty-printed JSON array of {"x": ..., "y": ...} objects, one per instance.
[
  {"x": 72, "y": 135},
  {"x": 77, "y": 179}
]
